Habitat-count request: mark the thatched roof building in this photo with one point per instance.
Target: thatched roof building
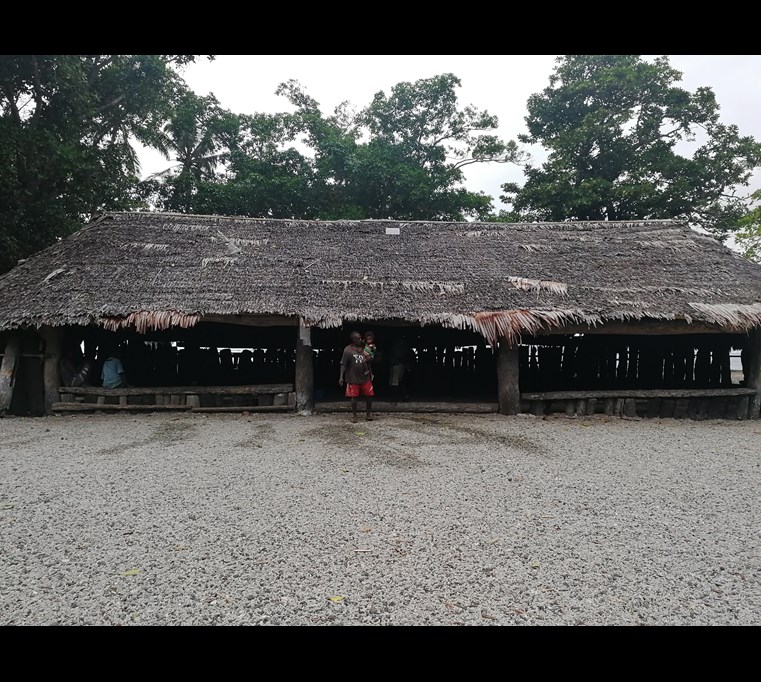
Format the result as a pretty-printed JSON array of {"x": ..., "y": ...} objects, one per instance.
[
  {"x": 526, "y": 289},
  {"x": 155, "y": 270}
]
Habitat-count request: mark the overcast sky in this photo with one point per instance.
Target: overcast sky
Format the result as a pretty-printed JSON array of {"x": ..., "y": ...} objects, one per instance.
[{"x": 499, "y": 84}]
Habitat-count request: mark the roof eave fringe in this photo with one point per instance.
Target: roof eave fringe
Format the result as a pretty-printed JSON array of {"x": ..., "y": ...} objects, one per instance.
[{"x": 150, "y": 320}]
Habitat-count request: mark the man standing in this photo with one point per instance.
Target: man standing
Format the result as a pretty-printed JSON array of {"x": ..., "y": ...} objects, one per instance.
[{"x": 355, "y": 372}]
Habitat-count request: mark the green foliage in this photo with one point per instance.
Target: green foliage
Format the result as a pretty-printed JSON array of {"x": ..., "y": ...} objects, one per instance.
[
  {"x": 264, "y": 174},
  {"x": 749, "y": 234},
  {"x": 65, "y": 127},
  {"x": 401, "y": 157},
  {"x": 197, "y": 138},
  {"x": 419, "y": 142},
  {"x": 612, "y": 124}
]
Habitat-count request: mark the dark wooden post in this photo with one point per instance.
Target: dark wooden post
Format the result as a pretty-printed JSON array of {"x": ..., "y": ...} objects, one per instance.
[
  {"x": 8, "y": 371},
  {"x": 52, "y": 366},
  {"x": 753, "y": 371},
  {"x": 304, "y": 370},
  {"x": 508, "y": 370}
]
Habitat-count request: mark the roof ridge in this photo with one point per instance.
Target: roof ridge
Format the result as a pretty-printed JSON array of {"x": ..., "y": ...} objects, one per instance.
[{"x": 480, "y": 224}]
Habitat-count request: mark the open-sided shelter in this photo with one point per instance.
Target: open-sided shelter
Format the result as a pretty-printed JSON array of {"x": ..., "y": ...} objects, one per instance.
[{"x": 636, "y": 317}]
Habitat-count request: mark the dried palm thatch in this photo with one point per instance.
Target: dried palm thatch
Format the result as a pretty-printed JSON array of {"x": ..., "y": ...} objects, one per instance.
[{"x": 157, "y": 270}]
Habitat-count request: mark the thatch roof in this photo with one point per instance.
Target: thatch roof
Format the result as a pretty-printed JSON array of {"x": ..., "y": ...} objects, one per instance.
[{"x": 155, "y": 270}]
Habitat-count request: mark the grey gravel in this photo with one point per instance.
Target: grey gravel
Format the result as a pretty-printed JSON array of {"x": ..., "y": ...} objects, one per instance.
[{"x": 407, "y": 520}]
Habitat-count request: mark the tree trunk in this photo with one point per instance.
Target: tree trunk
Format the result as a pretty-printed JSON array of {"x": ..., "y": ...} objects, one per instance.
[
  {"x": 52, "y": 366},
  {"x": 508, "y": 390},
  {"x": 304, "y": 382},
  {"x": 8, "y": 372},
  {"x": 753, "y": 371}
]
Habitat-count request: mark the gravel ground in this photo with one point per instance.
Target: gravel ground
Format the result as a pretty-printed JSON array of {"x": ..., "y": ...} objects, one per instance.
[{"x": 408, "y": 520}]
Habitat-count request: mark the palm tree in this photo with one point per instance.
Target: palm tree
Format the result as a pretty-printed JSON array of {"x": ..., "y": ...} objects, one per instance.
[{"x": 195, "y": 139}]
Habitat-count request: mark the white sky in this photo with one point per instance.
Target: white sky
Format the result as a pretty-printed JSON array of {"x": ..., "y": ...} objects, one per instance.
[{"x": 499, "y": 84}]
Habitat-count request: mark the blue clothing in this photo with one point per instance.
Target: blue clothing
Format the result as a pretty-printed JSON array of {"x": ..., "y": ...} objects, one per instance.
[{"x": 112, "y": 368}]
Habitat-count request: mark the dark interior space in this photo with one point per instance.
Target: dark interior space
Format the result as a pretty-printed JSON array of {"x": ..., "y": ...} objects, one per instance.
[
  {"x": 608, "y": 361},
  {"x": 441, "y": 365}
]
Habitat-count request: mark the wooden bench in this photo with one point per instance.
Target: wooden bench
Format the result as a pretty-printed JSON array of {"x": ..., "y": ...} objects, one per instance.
[
  {"x": 249, "y": 398},
  {"x": 694, "y": 403}
]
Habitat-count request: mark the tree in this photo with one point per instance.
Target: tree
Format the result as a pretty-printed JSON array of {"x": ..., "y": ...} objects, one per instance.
[
  {"x": 400, "y": 157},
  {"x": 264, "y": 174},
  {"x": 613, "y": 125},
  {"x": 419, "y": 142},
  {"x": 197, "y": 139},
  {"x": 749, "y": 233},
  {"x": 66, "y": 125}
]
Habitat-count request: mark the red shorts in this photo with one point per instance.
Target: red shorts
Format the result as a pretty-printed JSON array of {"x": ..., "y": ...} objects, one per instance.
[{"x": 356, "y": 390}]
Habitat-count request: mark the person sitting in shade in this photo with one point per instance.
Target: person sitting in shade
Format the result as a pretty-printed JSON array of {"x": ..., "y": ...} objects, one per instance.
[
  {"x": 75, "y": 370},
  {"x": 113, "y": 374}
]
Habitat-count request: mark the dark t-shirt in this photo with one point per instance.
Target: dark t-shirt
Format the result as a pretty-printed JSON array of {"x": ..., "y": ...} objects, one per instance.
[{"x": 357, "y": 370}]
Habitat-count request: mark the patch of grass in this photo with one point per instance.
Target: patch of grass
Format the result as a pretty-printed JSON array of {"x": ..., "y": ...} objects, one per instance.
[
  {"x": 173, "y": 431},
  {"x": 332, "y": 434},
  {"x": 166, "y": 433},
  {"x": 259, "y": 434},
  {"x": 446, "y": 428}
]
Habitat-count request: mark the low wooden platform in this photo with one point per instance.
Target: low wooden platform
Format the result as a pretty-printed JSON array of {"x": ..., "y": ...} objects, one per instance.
[
  {"x": 726, "y": 403},
  {"x": 93, "y": 407},
  {"x": 713, "y": 403},
  {"x": 248, "y": 398}
]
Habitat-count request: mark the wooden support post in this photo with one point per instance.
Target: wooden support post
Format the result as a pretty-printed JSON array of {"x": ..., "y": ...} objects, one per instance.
[
  {"x": 537, "y": 408},
  {"x": 591, "y": 405},
  {"x": 619, "y": 409},
  {"x": 726, "y": 371},
  {"x": 693, "y": 408},
  {"x": 304, "y": 382},
  {"x": 680, "y": 409},
  {"x": 668, "y": 409},
  {"x": 717, "y": 408},
  {"x": 630, "y": 407},
  {"x": 570, "y": 408},
  {"x": 51, "y": 372},
  {"x": 609, "y": 406},
  {"x": 508, "y": 391},
  {"x": 653, "y": 407},
  {"x": 703, "y": 410},
  {"x": 733, "y": 404},
  {"x": 753, "y": 371},
  {"x": 743, "y": 407},
  {"x": 122, "y": 399},
  {"x": 8, "y": 372}
]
